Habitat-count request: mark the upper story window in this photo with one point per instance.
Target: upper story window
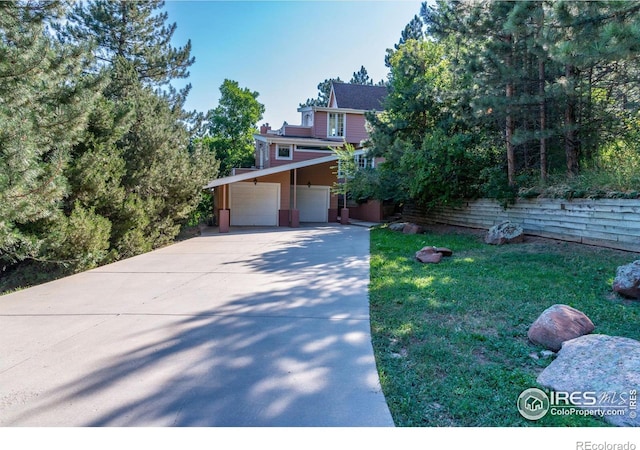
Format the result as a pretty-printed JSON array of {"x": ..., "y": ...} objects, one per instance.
[
  {"x": 284, "y": 151},
  {"x": 335, "y": 125}
]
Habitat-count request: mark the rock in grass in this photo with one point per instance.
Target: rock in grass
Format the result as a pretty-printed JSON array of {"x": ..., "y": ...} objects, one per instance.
[
  {"x": 432, "y": 254},
  {"x": 412, "y": 228},
  {"x": 428, "y": 255},
  {"x": 557, "y": 324},
  {"x": 627, "y": 281},
  {"x": 608, "y": 366},
  {"x": 444, "y": 250},
  {"x": 504, "y": 233},
  {"x": 397, "y": 226}
]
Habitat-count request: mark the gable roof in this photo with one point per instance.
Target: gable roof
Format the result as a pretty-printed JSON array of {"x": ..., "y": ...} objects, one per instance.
[{"x": 358, "y": 96}]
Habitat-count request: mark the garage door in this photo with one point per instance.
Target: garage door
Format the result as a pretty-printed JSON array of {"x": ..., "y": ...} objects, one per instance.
[
  {"x": 313, "y": 203},
  {"x": 254, "y": 204}
]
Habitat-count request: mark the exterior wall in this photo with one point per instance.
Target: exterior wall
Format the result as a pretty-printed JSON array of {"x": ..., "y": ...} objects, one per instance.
[
  {"x": 261, "y": 146},
  {"x": 297, "y": 156},
  {"x": 320, "y": 124},
  {"x": 355, "y": 129},
  {"x": 613, "y": 223},
  {"x": 298, "y": 131},
  {"x": 370, "y": 211}
]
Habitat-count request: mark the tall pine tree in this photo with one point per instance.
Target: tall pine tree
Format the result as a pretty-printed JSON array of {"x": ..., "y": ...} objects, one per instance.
[
  {"x": 44, "y": 99},
  {"x": 150, "y": 176}
]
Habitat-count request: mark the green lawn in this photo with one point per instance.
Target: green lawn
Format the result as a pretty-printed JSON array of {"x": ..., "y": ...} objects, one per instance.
[{"x": 451, "y": 338}]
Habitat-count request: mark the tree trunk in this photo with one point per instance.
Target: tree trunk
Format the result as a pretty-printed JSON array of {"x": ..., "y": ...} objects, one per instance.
[
  {"x": 543, "y": 121},
  {"x": 510, "y": 125},
  {"x": 570, "y": 123},
  {"x": 543, "y": 102}
]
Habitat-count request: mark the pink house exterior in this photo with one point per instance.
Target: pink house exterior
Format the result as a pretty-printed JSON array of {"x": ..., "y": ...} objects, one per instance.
[{"x": 295, "y": 166}]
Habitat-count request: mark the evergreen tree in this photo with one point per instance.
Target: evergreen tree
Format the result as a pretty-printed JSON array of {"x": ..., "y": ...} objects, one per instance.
[
  {"x": 44, "y": 97},
  {"x": 413, "y": 30},
  {"x": 135, "y": 32},
  {"x": 136, "y": 166},
  {"x": 324, "y": 90},
  {"x": 361, "y": 77}
]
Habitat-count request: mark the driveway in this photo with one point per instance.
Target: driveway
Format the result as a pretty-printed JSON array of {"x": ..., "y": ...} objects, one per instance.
[{"x": 262, "y": 327}]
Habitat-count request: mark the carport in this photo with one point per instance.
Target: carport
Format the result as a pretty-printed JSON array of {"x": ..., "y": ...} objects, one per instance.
[{"x": 283, "y": 195}]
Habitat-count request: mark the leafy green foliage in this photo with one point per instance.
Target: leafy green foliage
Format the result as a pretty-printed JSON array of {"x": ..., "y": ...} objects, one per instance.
[
  {"x": 232, "y": 125},
  {"x": 450, "y": 339}
]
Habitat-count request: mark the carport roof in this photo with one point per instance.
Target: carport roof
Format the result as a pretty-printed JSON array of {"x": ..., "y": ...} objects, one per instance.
[{"x": 271, "y": 170}]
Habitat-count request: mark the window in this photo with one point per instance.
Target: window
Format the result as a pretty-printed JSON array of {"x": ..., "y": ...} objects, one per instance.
[
  {"x": 284, "y": 151},
  {"x": 362, "y": 161},
  {"x": 335, "y": 125}
]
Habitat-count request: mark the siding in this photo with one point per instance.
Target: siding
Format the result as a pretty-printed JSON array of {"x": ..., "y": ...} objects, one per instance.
[
  {"x": 356, "y": 132},
  {"x": 297, "y": 130},
  {"x": 613, "y": 223},
  {"x": 297, "y": 156},
  {"x": 320, "y": 124}
]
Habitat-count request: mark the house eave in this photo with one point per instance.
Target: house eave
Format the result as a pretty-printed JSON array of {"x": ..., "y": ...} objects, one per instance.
[{"x": 269, "y": 171}]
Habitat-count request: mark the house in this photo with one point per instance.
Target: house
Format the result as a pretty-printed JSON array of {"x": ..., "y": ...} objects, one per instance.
[{"x": 295, "y": 165}]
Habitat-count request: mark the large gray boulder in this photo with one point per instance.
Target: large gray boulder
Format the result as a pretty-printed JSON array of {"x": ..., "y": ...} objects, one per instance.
[
  {"x": 557, "y": 324},
  {"x": 607, "y": 368},
  {"x": 627, "y": 281},
  {"x": 504, "y": 233}
]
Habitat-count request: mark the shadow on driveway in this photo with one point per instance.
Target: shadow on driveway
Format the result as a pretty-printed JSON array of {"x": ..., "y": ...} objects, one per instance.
[{"x": 268, "y": 329}]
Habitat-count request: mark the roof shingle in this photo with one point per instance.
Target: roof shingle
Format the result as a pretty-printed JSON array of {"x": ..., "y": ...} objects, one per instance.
[{"x": 359, "y": 96}]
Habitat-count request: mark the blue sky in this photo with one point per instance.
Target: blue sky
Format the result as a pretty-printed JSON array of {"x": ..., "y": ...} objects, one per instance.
[{"x": 283, "y": 49}]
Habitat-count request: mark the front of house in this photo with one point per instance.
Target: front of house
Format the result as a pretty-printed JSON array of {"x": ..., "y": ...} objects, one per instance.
[{"x": 295, "y": 166}]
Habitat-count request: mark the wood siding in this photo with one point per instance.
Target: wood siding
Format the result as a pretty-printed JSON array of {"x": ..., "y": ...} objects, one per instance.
[
  {"x": 297, "y": 156},
  {"x": 320, "y": 124},
  {"x": 355, "y": 129},
  {"x": 613, "y": 223}
]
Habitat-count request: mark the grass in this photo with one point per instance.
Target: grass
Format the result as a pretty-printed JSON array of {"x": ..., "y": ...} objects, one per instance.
[{"x": 451, "y": 338}]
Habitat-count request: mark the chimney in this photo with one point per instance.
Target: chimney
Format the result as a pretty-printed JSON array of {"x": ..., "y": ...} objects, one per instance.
[{"x": 264, "y": 128}]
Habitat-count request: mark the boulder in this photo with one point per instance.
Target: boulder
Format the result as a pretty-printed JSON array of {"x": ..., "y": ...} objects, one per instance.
[
  {"x": 412, "y": 228},
  {"x": 557, "y": 324},
  {"x": 397, "y": 226},
  {"x": 444, "y": 250},
  {"x": 607, "y": 367},
  {"x": 504, "y": 233},
  {"x": 428, "y": 255},
  {"x": 627, "y": 281}
]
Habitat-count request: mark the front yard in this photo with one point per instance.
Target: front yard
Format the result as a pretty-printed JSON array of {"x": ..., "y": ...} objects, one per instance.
[{"x": 451, "y": 338}]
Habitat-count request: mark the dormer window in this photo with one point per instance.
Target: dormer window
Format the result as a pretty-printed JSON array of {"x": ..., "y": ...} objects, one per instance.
[
  {"x": 335, "y": 125},
  {"x": 284, "y": 151}
]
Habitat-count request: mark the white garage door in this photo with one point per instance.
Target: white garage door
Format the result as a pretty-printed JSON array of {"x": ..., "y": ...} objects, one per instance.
[
  {"x": 313, "y": 203},
  {"x": 254, "y": 204}
]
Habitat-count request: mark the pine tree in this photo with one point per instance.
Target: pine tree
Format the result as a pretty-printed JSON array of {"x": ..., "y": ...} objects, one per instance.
[
  {"x": 139, "y": 135},
  {"x": 361, "y": 77},
  {"x": 44, "y": 98},
  {"x": 135, "y": 32}
]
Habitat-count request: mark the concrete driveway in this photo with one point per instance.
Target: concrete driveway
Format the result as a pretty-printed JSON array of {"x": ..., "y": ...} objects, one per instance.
[{"x": 262, "y": 327}]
